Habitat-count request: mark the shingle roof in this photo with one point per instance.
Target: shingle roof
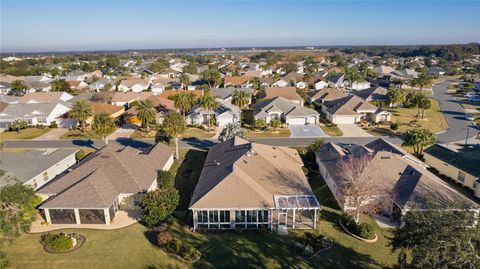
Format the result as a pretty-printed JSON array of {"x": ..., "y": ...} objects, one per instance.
[
  {"x": 26, "y": 165},
  {"x": 289, "y": 109},
  {"x": 327, "y": 94},
  {"x": 129, "y": 96},
  {"x": 29, "y": 110},
  {"x": 227, "y": 92},
  {"x": 372, "y": 94},
  {"x": 239, "y": 80},
  {"x": 96, "y": 181},
  {"x": 44, "y": 97},
  {"x": 466, "y": 159},
  {"x": 241, "y": 174},
  {"x": 110, "y": 109},
  {"x": 289, "y": 93},
  {"x": 348, "y": 106}
]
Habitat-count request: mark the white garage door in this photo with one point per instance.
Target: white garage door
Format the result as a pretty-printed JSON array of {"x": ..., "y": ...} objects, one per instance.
[
  {"x": 344, "y": 120},
  {"x": 312, "y": 120},
  {"x": 296, "y": 121}
]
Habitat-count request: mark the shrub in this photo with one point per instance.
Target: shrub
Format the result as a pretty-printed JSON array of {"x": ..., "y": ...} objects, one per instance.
[
  {"x": 17, "y": 125},
  {"x": 165, "y": 180},
  {"x": 188, "y": 252},
  {"x": 349, "y": 223},
  {"x": 164, "y": 238},
  {"x": 158, "y": 205},
  {"x": 366, "y": 231},
  {"x": 174, "y": 245},
  {"x": 57, "y": 242},
  {"x": 394, "y": 126}
]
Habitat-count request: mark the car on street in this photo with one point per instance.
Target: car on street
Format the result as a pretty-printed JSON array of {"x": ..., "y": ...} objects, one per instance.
[{"x": 469, "y": 116}]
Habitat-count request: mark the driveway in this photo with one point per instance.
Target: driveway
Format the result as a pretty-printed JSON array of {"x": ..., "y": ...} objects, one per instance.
[
  {"x": 123, "y": 132},
  {"x": 54, "y": 134},
  {"x": 311, "y": 130},
  {"x": 353, "y": 130},
  {"x": 454, "y": 114}
]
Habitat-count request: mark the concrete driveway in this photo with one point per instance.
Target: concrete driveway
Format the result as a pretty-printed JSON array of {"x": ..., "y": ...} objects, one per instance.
[
  {"x": 311, "y": 130},
  {"x": 123, "y": 132},
  {"x": 353, "y": 130},
  {"x": 53, "y": 134}
]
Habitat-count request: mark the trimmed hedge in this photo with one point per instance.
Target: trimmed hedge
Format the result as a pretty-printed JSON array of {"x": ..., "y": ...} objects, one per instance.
[{"x": 364, "y": 230}]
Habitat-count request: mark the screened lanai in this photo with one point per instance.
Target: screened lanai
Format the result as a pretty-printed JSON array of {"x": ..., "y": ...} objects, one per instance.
[{"x": 296, "y": 211}]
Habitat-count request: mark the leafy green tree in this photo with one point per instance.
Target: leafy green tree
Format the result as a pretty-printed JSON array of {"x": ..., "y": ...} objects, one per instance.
[
  {"x": 230, "y": 131},
  {"x": 18, "y": 85},
  {"x": 275, "y": 124},
  {"x": 165, "y": 180},
  {"x": 419, "y": 139},
  {"x": 256, "y": 84},
  {"x": 240, "y": 98},
  {"x": 352, "y": 75},
  {"x": 159, "y": 65},
  {"x": 184, "y": 101},
  {"x": 103, "y": 125},
  {"x": 395, "y": 96},
  {"x": 208, "y": 102},
  {"x": 146, "y": 113},
  {"x": 17, "y": 125},
  {"x": 112, "y": 61},
  {"x": 438, "y": 238},
  {"x": 174, "y": 126},
  {"x": 191, "y": 68},
  {"x": 260, "y": 123},
  {"x": 158, "y": 205},
  {"x": 212, "y": 76},
  {"x": 81, "y": 111},
  {"x": 184, "y": 79},
  {"x": 310, "y": 149},
  {"x": 60, "y": 85},
  {"x": 289, "y": 67},
  {"x": 423, "y": 80}
]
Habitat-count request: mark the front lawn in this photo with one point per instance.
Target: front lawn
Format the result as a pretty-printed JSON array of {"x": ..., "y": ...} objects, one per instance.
[
  {"x": 199, "y": 133},
  {"x": 331, "y": 130},
  {"x": 140, "y": 134},
  {"x": 280, "y": 132},
  {"x": 78, "y": 134},
  {"x": 27, "y": 133}
]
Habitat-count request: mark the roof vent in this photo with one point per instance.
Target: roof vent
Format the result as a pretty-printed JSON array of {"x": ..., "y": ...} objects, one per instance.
[{"x": 218, "y": 163}]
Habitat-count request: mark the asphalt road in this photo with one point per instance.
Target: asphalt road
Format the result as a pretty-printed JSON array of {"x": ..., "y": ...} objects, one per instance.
[{"x": 454, "y": 114}]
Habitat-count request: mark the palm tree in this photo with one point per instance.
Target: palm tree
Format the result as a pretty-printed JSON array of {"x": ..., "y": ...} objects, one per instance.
[
  {"x": 208, "y": 102},
  {"x": 423, "y": 80},
  {"x": 419, "y": 139},
  {"x": 184, "y": 101},
  {"x": 146, "y": 113},
  {"x": 174, "y": 126},
  {"x": 422, "y": 103},
  {"x": 103, "y": 125},
  {"x": 185, "y": 80},
  {"x": 81, "y": 111},
  {"x": 240, "y": 98}
]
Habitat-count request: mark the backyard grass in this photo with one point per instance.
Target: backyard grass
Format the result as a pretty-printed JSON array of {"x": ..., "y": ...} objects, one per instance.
[
  {"x": 331, "y": 130},
  {"x": 134, "y": 246},
  {"x": 27, "y": 133},
  {"x": 280, "y": 132},
  {"x": 78, "y": 134}
]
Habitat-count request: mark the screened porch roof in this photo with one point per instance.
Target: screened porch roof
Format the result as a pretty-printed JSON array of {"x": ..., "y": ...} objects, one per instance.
[{"x": 296, "y": 202}]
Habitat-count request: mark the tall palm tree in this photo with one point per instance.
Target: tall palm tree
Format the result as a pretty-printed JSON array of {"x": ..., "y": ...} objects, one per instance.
[
  {"x": 423, "y": 80},
  {"x": 146, "y": 113},
  {"x": 174, "y": 126},
  {"x": 184, "y": 101},
  {"x": 103, "y": 125},
  {"x": 208, "y": 102},
  {"x": 81, "y": 111},
  {"x": 240, "y": 98}
]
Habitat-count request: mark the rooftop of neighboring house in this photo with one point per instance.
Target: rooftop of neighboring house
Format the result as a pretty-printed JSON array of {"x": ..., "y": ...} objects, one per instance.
[
  {"x": 372, "y": 94},
  {"x": 327, "y": 94},
  {"x": 281, "y": 104},
  {"x": 383, "y": 69},
  {"x": 464, "y": 158},
  {"x": 349, "y": 105},
  {"x": 33, "y": 163},
  {"x": 224, "y": 106},
  {"x": 130, "y": 96},
  {"x": 227, "y": 92},
  {"x": 168, "y": 93},
  {"x": 289, "y": 93},
  {"x": 9, "y": 78},
  {"x": 133, "y": 81},
  {"x": 45, "y": 97},
  {"x": 106, "y": 108},
  {"x": 413, "y": 186},
  {"x": 97, "y": 180},
  {"x": 293, "y": 76},
  {"x": 242, "y": 174},
  {"x": 237, "y": 80},
  {"x": 30, "y": 110}
]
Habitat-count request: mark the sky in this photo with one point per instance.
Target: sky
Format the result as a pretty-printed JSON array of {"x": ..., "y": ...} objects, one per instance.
[{"x": 36, "y": 26}]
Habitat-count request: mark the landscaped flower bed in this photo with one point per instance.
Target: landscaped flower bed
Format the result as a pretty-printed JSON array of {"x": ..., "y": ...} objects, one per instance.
[
  {"x": 311, "y": 244},
  {"x": 362, "y": 231},
  {"x": 61, "y": 242},
  {"x": 175, "y": 246}
]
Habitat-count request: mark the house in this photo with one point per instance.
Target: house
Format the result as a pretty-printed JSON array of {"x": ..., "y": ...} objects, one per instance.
[
  {"x": 38, "y": 86},
  {"x": 35, "y": 113},
  {"x": 113, "y": 111},
  {"x": 319, "y": 82},
  {"x": 460, "y": 163},
  {"x": 373, "y": 94},
  {"x": 158, "y": 86},
  {"x": 289, "y": 93},
  {"x": 435, "y": 71},
  {"x": 77, "y": 84},
  {"x": 238, "y": 81},
  {"x": 282, "y": 109},
  {"x": 382, "y": 70},
  {"x": 358, "y": 85},
  {"x": 162, "y": 106},
  {"x": 114, "y": 177},
  {"x": 324, "y": 95},
  {"x": 336, "y": 81},
  {"x": 246, "y": 185},
  {"x": 45, "y": 97},
  {"x": 352, "y": 109},
  {"x": 100, "y": 85},
  {"x": 5, "y": 87},
  {"x": 412, "y": 185},
  {"x": 281, "y": 83},
  {"x": 125, "y": 98},
  {"x": 227, "y": 93},
  {"x": 405, "y": 74},
  {"x": 225, "y": 113},
  {"x": 134, "y": 85},
  {"x": 36, "y": 168}
]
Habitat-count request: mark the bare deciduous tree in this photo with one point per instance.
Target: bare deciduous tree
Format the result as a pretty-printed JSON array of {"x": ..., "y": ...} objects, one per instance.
[{"x": 364, "y": 190}]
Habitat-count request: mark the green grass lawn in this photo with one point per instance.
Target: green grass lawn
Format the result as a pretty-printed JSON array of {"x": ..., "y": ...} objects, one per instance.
[
  {"x": 280, "y": 132},
  {"x": 78, "y": 134},
  {"x": 331, "y": 130},
  {"x": 140, "y": 134},
  {"x": 199, "y": 133},
  {"x": 27, "y": 133},
  {"x": 82, "y": 153},
  {"x": 134, "y": 246}
]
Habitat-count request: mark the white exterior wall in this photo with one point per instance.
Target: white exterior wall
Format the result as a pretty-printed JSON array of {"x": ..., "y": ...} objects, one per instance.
[
  {"x": 123, "y": 88},
  {"x": 156, "y": 90},
  {"x": 138, "y": 88},
  {"x": 169, "y": 164},
  {"x": 224, "y": 119},
  {"x": 52, "y": 172},
  {"x": 320, "y": 85}
]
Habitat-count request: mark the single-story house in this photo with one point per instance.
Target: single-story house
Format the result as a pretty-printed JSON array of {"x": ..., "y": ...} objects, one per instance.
[
  {"x": 113, "y": 178},
  {"x": 281, "y": 83},
  {"x": 245, "y": 185},
  {"x": 162, "y": 106},
  {"x": 413, "y": 187},
  {"x": 134, "y": 85},
  {"x": 373, "y": 94},
  {"x": 45, "y": 97},
  {"x": 382, "y": 70},
  {"x": 112, "y": 110},
  {"x": 358, "y": 85},
  {"x": 460, "y": 163},
  {"x": 225, "y": 113},
  {"x": 35, "y": 113},
  {"x": 352, "y": 109},
  {"x": 77, "y": 84},
  {"x": 238, "y": 81},
  {"x": 37, "y": 86},
  {"x": 227, "y": 93},
  {"x": 324, "y": 95},
  {"x": 5, "y": 87},
  {"x": 435, "y": 71},
  {"x": 125, "y": 98},
  {"x": 100, "y": 85},
  {"x": 285, "y": 111},
  {"x": 289, "y": 93},
  {"x": 336, "y": 81},
  {"x": 404, "y": 74}
]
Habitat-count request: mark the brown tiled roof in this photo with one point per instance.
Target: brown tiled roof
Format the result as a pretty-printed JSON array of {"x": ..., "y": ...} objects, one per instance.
[
  {"x": 241, "y": 174},
  {"x": 289, "y": 93},
  {"x": 239, "y": 80},
  {"x": 96, "y": 181}
]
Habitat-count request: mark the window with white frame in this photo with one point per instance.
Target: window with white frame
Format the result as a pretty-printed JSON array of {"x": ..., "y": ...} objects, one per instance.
[
  {"x": 41, "y": 120},
  {"x": 251, "y": 218},
  {"x": 213, "y": 219},
  {"x": 461, "y": 176}
]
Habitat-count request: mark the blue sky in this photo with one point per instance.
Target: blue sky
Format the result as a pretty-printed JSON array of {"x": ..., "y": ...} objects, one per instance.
[{"x": 90, "y": 25}]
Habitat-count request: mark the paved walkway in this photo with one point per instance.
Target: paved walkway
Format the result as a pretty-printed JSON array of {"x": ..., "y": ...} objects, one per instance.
[
  {"x": 54, "y": 134},
  {"x": 353, "y": 130},
  {"x": 122, "y": 219},
  {"x": 311, "y": 130},
  {"x": 123, "y": 132}
]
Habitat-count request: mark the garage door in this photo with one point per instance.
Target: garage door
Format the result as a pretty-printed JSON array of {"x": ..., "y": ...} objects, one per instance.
[
  {"x": 344, "y": 120},
  {"x": 296, "y": 121},
  {"x": 312, "y": 120}
]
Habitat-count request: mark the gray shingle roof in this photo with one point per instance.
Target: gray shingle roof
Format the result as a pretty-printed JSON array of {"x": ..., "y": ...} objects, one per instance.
[
  {"x": 29, "y": 110},
  {"x": 288, "y": 108},
  {"x": 227, "y": 92}
]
